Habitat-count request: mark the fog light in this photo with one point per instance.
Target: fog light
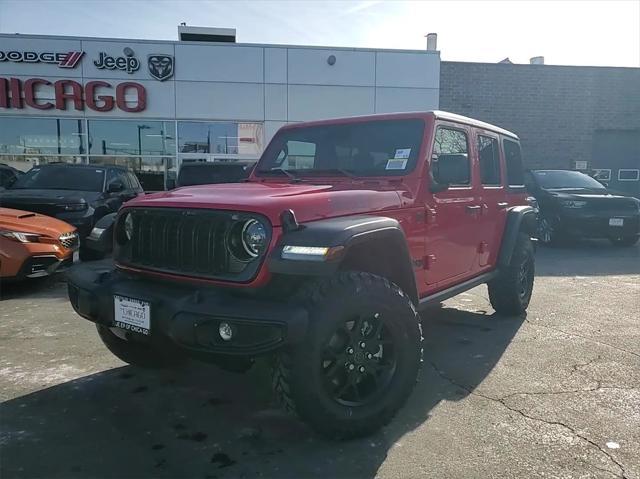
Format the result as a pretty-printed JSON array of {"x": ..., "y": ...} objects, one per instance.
[{"x": 226, "y": 331}]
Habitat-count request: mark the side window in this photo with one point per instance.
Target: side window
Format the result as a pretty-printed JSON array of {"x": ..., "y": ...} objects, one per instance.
[
  {"x": 135, "y": 184},
  {"x": 451, "y": 147},
  {"x": 513, "y": 157},
  {"x": 489, "y": 156},
  {"x": 113, "y": 175}
]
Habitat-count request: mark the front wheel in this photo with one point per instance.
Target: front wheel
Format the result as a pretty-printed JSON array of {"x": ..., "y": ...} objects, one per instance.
[
  {"x": 510, "y": 292},
  {"x": 360, "y": 358},
  {"x": 624, "y": 240}
]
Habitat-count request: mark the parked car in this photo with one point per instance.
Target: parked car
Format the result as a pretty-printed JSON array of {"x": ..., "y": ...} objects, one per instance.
[
  {"x": 209, "y": 173},
  {"x": 321, "y": 260},
  {"x": 77, "y": 194},
  {"x": 8, "y": 175},
  {"x": 574, "y": 205},
  {"x": 33, "y": 245}
]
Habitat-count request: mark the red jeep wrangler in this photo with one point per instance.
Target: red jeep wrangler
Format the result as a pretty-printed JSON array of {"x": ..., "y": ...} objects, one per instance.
[{"x": 321, "y": 260}]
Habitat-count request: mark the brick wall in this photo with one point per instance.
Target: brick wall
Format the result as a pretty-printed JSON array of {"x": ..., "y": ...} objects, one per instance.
[{"x": 554, "y": 109}]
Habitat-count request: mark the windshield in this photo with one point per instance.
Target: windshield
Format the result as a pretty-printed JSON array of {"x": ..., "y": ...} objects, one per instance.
[
  {"x": 373, "y": 148},
  {"x": 61, "y": 178},
  {"x": 211, "y": 174},
  {"x": 550, "y": 180}
]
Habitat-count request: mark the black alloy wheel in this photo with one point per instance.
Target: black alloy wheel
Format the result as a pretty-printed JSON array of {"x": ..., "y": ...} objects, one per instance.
[{"x": 359, "y": 361}]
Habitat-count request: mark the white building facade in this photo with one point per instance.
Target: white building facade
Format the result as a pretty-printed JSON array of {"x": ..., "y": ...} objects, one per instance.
[{"x": 153, "y": 104}]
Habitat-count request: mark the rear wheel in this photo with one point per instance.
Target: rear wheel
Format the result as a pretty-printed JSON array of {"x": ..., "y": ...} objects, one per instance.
[
  {"x": 144, "y": 355},
  {"x": 359, "y": 361},
  {"x": 624, "y": 240},
  {"x": 511, "y": 291}
]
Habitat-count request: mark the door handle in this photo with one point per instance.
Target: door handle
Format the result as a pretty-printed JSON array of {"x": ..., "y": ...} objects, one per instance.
[
  {"x": 502, "y": 205},
  {"x": 471, "y": 209}
]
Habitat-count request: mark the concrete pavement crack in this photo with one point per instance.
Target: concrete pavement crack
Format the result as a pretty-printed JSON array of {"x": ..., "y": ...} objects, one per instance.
[
  {"x": 583, "y": 337},
  {"x": 443, "y": 375}
]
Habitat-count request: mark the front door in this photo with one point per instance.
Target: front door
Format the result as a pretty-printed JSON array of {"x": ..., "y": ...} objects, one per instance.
[{"x": 452, "y": 214}]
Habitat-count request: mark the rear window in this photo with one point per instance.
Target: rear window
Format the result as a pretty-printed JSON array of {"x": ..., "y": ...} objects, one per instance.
[
  {"x": 62, "y": 178},
  {"x": 368, "y": 148},
  {"x": 211, "y": 174},
  {"x": 513, "y": 158}
]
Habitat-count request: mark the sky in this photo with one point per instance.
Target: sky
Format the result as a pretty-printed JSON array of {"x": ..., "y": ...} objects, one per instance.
[{"x": 600, "y": 33}]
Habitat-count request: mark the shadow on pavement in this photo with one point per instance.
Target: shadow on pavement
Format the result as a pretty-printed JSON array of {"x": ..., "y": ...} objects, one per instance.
[
  {"x": 47, "y": 287},
  {"x": 588, "y": 258},
  {"x": 202, "y": 422}
]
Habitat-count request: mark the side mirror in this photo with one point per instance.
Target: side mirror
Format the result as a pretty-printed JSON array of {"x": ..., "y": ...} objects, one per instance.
[
  {"x": 170, "y": 184},
  {"x": 449, "y": 169},
  {"x": 116, "y": 186}
]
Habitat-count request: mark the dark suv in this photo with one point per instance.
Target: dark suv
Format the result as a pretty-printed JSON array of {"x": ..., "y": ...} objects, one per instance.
[
  {"x": 321, "y": 260},
  {"x": 574, "y": 205},
  {"x": 77, "y": 194}
]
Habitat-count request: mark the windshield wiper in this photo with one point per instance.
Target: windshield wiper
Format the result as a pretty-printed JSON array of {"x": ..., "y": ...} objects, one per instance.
[
  {"x": 342, "y": 171},
  {"x": 281, "y": 171}
]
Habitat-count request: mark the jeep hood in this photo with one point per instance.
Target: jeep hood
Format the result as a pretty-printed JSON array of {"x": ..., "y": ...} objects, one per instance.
[{"x": 308, "y": 201}]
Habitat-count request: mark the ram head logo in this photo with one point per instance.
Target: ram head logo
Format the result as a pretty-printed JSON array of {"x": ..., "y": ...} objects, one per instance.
[{"x": 160, "y": 66}]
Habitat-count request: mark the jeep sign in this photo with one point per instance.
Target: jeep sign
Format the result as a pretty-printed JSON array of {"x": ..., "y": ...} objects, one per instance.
[{"x": 127, "y": 63}]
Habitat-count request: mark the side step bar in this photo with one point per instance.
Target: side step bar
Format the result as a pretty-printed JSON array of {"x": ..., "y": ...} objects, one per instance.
[{"x": 457, "y": 289}]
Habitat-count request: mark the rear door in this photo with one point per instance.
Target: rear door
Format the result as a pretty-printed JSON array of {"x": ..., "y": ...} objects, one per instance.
[
  {"x": 453, "y": 214},
  {"x": 493, "y": 198}
]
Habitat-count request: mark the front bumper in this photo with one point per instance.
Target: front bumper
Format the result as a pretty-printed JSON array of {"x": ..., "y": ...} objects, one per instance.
[
  {"x": 597, "y": 226},
  {"x": 189, "y": 316},
  {"x": 39, "y": 266}
]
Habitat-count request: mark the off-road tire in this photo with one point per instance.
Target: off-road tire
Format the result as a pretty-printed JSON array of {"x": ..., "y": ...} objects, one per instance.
[
  {"x": 140, "y": 354},
  {"x": 298, "y": 374},
  {"x": 510, "y": 292},
  {"x": 624, "y": 240}
]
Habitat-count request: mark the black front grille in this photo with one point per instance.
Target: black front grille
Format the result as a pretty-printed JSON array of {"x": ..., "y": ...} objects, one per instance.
[
  {"x": 611, "y": 205},
  {"x": 189, "y": 242},
  {"x": 69, "y": 240}
]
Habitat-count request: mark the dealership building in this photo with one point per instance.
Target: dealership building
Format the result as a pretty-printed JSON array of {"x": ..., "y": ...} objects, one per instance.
[{"x": 153, "y": 104}]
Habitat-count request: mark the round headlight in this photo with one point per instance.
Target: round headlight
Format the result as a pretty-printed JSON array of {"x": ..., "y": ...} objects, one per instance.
[
  {"x": 254, "y": 237},
  {"x": 247, "y": 239},
  {"x": 128, "y": 226}
]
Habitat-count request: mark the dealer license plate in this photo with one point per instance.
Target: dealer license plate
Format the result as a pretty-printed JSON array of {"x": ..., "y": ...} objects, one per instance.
[
  {"x": 132, "y": 315},
  {"x": 616, "y": 221}
]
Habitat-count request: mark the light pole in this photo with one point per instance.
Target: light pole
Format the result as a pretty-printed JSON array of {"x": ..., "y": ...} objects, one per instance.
[{"x": 140, "y": 128}]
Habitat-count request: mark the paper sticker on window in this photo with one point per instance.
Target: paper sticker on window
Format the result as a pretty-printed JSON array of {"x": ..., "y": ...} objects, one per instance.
[
  {"x": 396, "y": 164},
  {"x": 402, "y": 153}
]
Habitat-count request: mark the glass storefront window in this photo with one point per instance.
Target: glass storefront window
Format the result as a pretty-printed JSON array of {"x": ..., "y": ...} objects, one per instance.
[
  {"x": 224, "y": 138},
  {"x": 151, "y": 171},
  {"x": 26, "y": 162},
  {"x": 131, "y": 138},
  {"x": 41, "y": 136}
]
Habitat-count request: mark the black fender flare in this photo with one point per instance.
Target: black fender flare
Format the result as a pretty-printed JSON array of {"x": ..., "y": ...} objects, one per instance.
[
  {"x": 346, "y": 235},
  {"x": 519, "y": 219}
]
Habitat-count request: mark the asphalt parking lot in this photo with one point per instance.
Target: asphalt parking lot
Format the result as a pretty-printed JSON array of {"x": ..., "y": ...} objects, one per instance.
[{"x": 555, "y": 394}]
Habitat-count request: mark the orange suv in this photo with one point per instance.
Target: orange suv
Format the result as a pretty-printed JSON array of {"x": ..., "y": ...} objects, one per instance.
[{"x": 33, "y": 245}]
